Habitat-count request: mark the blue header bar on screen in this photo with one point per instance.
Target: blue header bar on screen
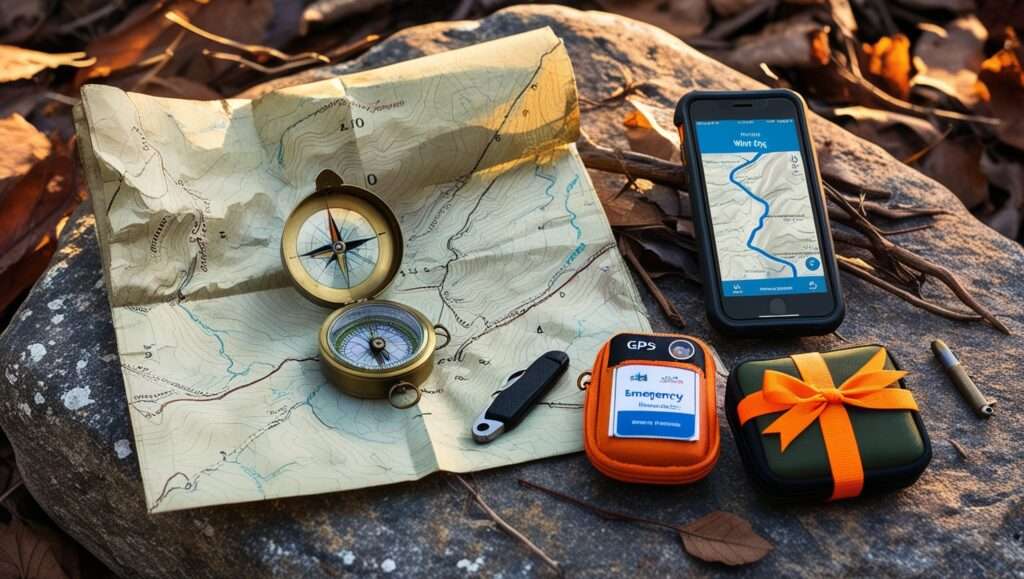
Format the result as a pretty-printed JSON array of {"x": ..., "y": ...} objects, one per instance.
[{"x": 747, "y": 136}]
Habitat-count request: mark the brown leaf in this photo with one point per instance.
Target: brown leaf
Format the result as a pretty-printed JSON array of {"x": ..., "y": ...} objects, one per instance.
[
  {"x": 889, "y": 61},
  {"x": 30, "y": 208},
  {"x": 147, "y": 33},
  {"x": 948, "y": 59},
  {"x": 732, "y": 7},
  {"x": 23, "y": 147},
  {"x": 623, "y": 204},
  {"x": 19, "y": 19},
  {"x": 646, "y": 135},
  {"x": 663, "y": 252},
  {"x": 956, "y": 163},
  {"x": 1006, "y": 175},
  {"x": 1001, "y": 85},
  {"x": 956, "y": 6},
  {"x": 20, "y": 63},
  {"x": 901, "y": 135},
  {"x": 798, "y": 42},
  {"x": 683, "y": 18},
  {"x": 25, "y": 552},
  {"x": 724, "y": 538},
  {"x": 142, "y": 34},
  {"x": 180, "y": 88}
]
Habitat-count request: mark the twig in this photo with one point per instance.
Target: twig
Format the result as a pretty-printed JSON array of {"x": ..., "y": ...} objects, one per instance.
[
  {"x": 636, "y": 165},
  {"x": 849, "y": 266},
  {"x": 908, "y": 258},
  {"x": 239, "y": 59},
  {"x": 88, "y": 19},
  {"x": 914, "y": 157},
  {"x": 509, "y": 528},
  {"x": 166, "y": 57},
  {"x": 17, "y": 485},
  {"x": 667, "y": 307},
  {"x": 463, "y": 10},
  {"x": 959, "y": 449},
  {"x": 183, "y": 22},
  {"x": 854, "y": 76},
  {"x": 599, "y": 511},
  {"x": 628, "y": 87}
]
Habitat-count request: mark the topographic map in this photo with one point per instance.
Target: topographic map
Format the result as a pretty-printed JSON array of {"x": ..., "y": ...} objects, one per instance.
[
  {"x": 506, "y": 245},
  {"x": 760, "y": 207}
]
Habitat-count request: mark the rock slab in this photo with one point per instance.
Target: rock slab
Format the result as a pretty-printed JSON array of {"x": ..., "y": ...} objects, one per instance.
[{"x": 66, "y": 414}]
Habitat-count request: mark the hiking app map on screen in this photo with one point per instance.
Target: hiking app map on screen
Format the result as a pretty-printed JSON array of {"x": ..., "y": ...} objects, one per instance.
[{"x": 760, "y": 207}]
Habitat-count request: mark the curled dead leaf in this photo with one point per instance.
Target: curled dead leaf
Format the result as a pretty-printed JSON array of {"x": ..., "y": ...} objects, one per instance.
[
  {"x": 888, "y": 60},
  {"x": 27, "y": 552},
  {"x": 724, "y": 538},
  {"x": 646, "y": 135},
  {"x": 1001, "y": 85},
  {"x": 956, "y": 163},
  {"x": 798, "y": 42},
  {"x": 24, "y": 146},
  {"x": 903, "y": 136},
  {"x": 948, "y": 59},
  {"x": 683, "y": 18}
]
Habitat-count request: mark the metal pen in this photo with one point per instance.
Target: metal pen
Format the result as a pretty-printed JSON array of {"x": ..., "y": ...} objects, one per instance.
[{"x": 981, "y": 405}]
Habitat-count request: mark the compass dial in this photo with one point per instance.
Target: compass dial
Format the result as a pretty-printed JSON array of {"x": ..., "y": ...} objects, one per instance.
[
  {"x": 338, "y": 247},
  {"x": 376, "y": 336},
  {"x": 341, "y": 244}
]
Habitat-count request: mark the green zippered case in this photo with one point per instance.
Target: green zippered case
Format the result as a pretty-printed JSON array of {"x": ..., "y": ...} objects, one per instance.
[{"x": 893, "y": 444}]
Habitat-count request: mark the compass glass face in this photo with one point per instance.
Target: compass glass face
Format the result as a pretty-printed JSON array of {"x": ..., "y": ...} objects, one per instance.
[
  {"x": 338, "y": 247},
  {"x": 375, "y": 336}
]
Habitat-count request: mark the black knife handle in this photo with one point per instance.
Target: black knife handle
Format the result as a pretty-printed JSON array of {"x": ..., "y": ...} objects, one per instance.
[{"x": 514, "y": 402}]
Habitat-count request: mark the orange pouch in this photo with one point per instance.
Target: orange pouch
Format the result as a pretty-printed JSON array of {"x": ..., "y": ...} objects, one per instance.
[{"x": 650, "y": 413}]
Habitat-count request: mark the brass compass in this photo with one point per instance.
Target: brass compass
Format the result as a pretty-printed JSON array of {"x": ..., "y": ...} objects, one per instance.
[{"x": 341, "y": 246}]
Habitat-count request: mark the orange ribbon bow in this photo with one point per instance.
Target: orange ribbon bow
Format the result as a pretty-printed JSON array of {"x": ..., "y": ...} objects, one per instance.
[{"x": 815, "y": 397}]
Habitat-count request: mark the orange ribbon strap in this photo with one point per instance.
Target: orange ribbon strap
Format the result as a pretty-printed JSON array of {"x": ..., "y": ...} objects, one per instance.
[{"x": 813, "y": 396}]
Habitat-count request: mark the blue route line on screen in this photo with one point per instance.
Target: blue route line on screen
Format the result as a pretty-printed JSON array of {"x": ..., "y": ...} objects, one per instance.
[{"x": 764, "y": 215}]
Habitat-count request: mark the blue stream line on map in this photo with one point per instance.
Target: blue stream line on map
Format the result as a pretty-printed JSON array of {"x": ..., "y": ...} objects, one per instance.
[
  {"x": 215, "y": 334},
  {"x": 760, "y": 223},
  {"x": 572, "y": 214}
]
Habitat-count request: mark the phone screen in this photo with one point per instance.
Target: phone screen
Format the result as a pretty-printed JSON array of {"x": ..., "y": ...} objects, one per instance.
[{"x": 760, "y": 207}]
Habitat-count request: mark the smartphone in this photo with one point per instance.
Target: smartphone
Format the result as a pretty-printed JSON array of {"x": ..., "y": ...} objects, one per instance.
[{"x": 759, "y": 214}]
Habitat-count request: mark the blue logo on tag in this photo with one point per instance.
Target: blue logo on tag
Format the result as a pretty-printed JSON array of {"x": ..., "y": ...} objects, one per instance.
[{"x": 638, "y": 377}]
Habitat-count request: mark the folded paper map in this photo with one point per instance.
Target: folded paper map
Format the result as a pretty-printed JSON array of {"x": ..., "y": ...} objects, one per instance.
[{"x": 506, "y": 245}]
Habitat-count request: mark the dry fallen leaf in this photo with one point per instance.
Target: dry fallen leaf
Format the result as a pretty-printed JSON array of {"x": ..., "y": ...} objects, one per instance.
[
  {"x": 732, "y": 7},
  {"x": 663, "y": 252},
  {"x": 889, "y": 60},
  {"x": 956, "y": 163},
  {"x": 948, "y": 59},
  {"x": 30, "y": 208},
  {"x": 646, "y": 135},
  {"x": 798, "y": 42},
  {"x": 724, "y": 538},
  {"x": 25, "y": 552},
  {"x": 1001, "y": 85},
  {"x": 20, "y": 19},
  {"x": 684, "y": 18},
  {"x": 901, "y": 135},
  {"x": 23, "y": 147},
  {"x": 1006, "y": 175},
  {"x": 20, "y": 63}
]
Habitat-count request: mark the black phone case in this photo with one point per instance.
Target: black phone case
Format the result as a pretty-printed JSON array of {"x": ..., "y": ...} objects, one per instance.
[{"x": 804, "y": 325}]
